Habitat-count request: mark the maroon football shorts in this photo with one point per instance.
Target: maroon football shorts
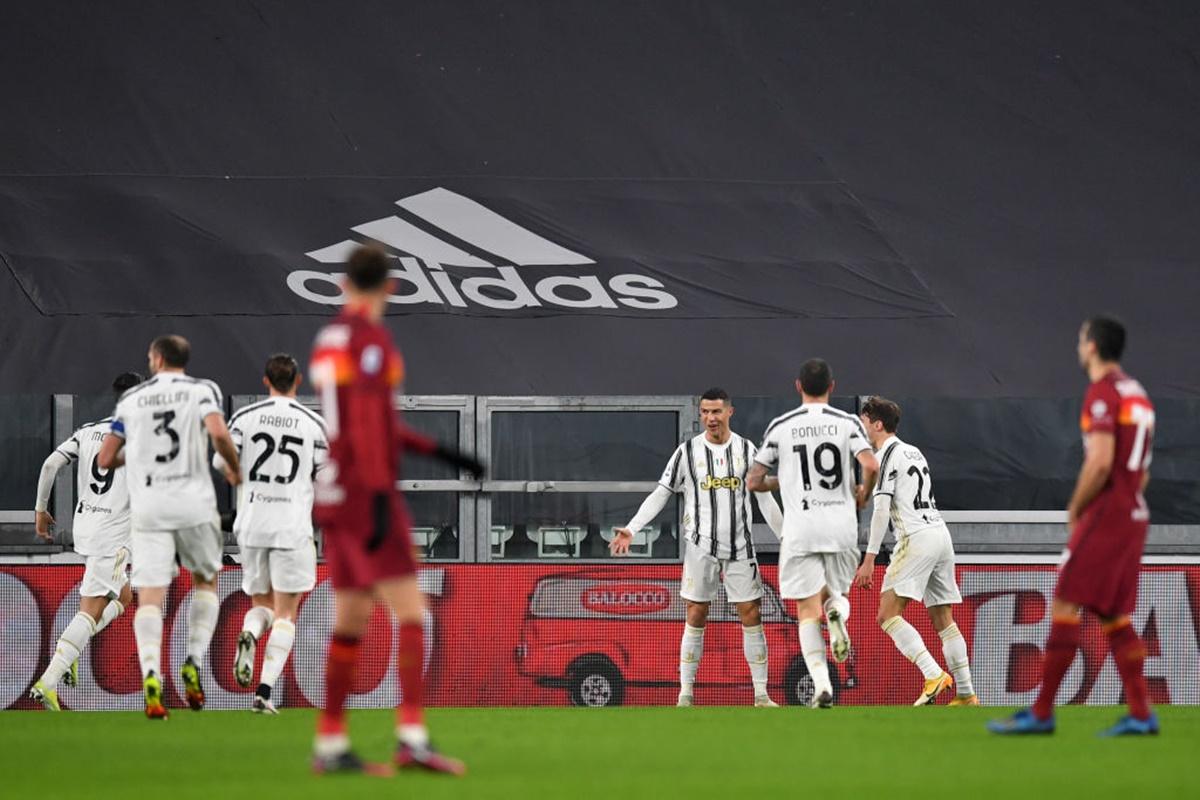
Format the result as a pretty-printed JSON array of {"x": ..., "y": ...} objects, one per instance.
[
  {"x": 1105, "y": 558},
  {"x": 363, "y": 549}
]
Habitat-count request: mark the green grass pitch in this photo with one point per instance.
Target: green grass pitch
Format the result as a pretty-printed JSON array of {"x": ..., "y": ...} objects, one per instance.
[{"x": 619, "y": 754}]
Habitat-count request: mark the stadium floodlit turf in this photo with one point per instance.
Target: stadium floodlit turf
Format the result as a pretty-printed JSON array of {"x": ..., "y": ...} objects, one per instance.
[{"x": 621, "y": 754}]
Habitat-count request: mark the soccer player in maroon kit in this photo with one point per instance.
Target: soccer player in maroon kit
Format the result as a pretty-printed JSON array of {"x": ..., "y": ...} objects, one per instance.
[
  {"x": 366, "y": 525},
  {"x": 1108, "y": 519}
]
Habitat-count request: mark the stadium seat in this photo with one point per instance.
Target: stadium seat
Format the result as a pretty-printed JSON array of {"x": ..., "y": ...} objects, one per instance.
[{"x": 551, "y": 541}]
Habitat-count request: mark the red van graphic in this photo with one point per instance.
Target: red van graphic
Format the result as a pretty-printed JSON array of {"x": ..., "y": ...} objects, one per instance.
[{"x": 594, "y": 633}]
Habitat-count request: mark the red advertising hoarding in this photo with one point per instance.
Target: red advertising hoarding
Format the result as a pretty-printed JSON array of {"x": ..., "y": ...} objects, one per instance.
[{"x": 553, "y": 635}]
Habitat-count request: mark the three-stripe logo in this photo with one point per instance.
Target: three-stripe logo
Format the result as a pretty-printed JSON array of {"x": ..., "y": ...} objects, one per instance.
[{"x": 440, "y": 228}]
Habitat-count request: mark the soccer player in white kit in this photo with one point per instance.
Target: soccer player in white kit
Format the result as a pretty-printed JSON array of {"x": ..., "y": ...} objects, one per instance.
[
  {"x": 710, "y": 471},
  {"x": 922, "y": 567},
  {"x": 159, "y": 428},
  {"x": 282, "y": 445},
  {"x": 815, "y": 447},
  {"x": 101, "y": 532}
]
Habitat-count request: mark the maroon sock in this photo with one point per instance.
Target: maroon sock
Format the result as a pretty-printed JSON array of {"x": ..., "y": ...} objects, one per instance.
[
  {"x": 339, "y": 677},
  {"x": 1060, "y": 652},
  {"x": 412, "y": 683},
  {"x": 1129, "y": 653}
]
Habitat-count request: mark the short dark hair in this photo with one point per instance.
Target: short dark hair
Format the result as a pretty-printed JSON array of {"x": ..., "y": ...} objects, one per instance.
[
  {"x": 174, "y": 349},
  {"x": 816, "y": 377},
  {"x": 1108, "y": 334},
  {"x": 282, "y": 371},
  {"x": 880, "y": 409},
  {"x": 126, "y": 381},
  {"x": 368, "y": 267},
  {"x": 716, "y": 393}
]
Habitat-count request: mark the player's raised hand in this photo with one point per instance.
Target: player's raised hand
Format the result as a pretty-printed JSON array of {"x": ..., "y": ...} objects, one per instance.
[
  {"x": 619, "y": 545},
  {"x": 42, "y": 523},
  {"x": 865, "y": 575}
]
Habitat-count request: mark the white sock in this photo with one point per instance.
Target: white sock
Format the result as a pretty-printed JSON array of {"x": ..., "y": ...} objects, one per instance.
[
  {"x": 329, "y": 745},
  {"x": 954, "y": 650},
  {"x": 279, "y": 647},
  {"x": 111, "y": 611},
  {"x": 754, "y": 645},
  {"x": 257, "y": 620},
  {"x": 839, "y": 603},
  {"x": 909, "y": 642},
  {"x": 70, "y": 644},
  {"x": 413, "y": 735},
  {"x": 691, "y": 649},
  {"x": 202, "y": 621},
  {"x": 147, "y": 629},
  {"x": 812, "y": 646}
]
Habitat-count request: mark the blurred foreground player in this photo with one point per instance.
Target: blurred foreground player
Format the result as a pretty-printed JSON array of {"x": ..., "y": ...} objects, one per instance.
[
  {"x": 1108, "y": 519},
  {"x": 101, "y": 532},
  {"x": 161, "y": 429},
  {"x": 282, "y": 446},
  {"x": 356, "y": 370}
]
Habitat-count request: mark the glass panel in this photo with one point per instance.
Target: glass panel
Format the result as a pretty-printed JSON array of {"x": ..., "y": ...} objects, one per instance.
[
  {"x": 435, "y": 524},
  {"x": 440, "y": 425},
  {"x": 582, "y": 445},
  {"x": 574, "y": 525},
  {"x": 1174, "y": 491},
  {"x": 25, "y": 431}
]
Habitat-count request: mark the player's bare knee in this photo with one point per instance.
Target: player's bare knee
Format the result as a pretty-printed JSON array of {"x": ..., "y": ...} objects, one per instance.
[
  {"x": 941, "y": 617},
  {"x": 697, "y": 614},
  {"x": 750, "y": 613},
  {"x": 126, "y": 596}
]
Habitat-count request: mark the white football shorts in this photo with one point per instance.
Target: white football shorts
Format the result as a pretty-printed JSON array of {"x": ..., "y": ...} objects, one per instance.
[
  {"x": 266, "y": 569},
  {"x": 703, "y": 573},
  {"x": 105, "y": 576},
  {"x": 154, "y": 552},
  {"x": 803, "y": 575},
  {"x": 922, "y": 568}
]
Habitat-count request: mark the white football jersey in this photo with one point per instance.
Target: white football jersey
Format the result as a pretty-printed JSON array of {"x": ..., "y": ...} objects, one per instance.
[
  {"x": 904, "y": 476},
  {"x": 101, "y": 523},
  {"x": 166, "y": 451},
  {"x": 814, "y": 448},
  {"x": 281, "y": 444},
  {"x": 712, "y": 477}
]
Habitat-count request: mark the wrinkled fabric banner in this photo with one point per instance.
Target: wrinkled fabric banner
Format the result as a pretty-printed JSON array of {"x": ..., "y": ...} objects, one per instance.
[{"x": 533, "y": 635}]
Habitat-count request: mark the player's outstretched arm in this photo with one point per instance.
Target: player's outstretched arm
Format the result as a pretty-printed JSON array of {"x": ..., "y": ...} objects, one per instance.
[
  {"x": 771, "y": 513},
  {"x": 50, "y": 467},
  {"x": 759, "y": 481},
  {"x": 1097, "y": 465},
  {"x": 408, "y": 439},
  {"x": 654, "y": 503},
  {"x": 222, "y": 442}
]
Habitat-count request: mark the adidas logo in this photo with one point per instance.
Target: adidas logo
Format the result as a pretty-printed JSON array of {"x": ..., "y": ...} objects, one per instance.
[{"x": 440, "y": 228}]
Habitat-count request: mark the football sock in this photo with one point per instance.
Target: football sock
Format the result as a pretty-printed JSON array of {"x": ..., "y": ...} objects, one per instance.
[
  {"x": 912, "y": 646},
  {"x": 111, "y": 611},
  {"x": 202, "y": 621},
  {"x": 691, "y": 649},
  {"x": 1060, "y": 652},
  {"x": 413, "y": 735},
  {"x": 70, "y": 644},
  {"x": 409, "y": 663},
  {"x": 954, "y": 650},
  {"x": 257, "y": 620},
  {"x": 279, "y": 647},
  {"x": 840, "y": 604},
  {"x": 754, "y": 645},
  {"x": 339, "y": 676},
  {"x": 1129, "y": 653},
  {"x": 812, "y": 646},
  {"x": 147, "y": 630}
]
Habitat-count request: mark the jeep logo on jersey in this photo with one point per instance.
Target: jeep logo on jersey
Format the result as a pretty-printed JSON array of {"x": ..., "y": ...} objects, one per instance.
[
  {"x": 626, "y": 598},
  {"x": 440, "y": 228}
]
